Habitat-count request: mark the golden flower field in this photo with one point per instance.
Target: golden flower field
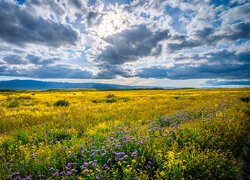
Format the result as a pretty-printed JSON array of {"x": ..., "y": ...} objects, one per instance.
[{"x": 129, "y": 134}]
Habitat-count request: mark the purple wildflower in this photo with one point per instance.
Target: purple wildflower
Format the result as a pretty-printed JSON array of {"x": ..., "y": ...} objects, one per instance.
[
  {"x": 62, "y": 173},
  {"x": 84, "y": 165},
  {"x": 134, "y": 154},
  {"x": 106, "y": 167},
  {"x": 17, "y": 178},
  {"x": 68, "y": 173},
  {"x": 74, "y": 171},
  {"x": 14, "y": 174},
  {"x": 56, "y": 174},
  {"x": 109, "y": 160},
  {"x": 28, "y": 177}
]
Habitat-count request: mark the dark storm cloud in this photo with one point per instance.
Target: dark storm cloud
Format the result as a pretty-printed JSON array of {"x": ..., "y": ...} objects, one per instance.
[
  {"x": 227, "y": 56},
  {"x": 38, "y": 61},
  {"x": 76, "y": 3},
  {"x": 209, "y": 36},
  {"x": 6, "y": 70},
  {"x": 14, "y": 59},
  {"x": 231, "y": 25},
  {"x": 93, "y": 18},
  {"x": 132, "y": 44},
  {"x": 20, "y": 26},
  {"x": 128, "y": 46},
  {"x": 220, "y": 64},
  {"x": 111, "y": 71},
  {"x": 220, "y": 56},
  {"x": 58, "y": 7},
  {"x": 226, "y": 71},
  {"x": 231, "y": 33},
  {"x": 46, "y": 71},
  {"x": 60, "y": 71}
]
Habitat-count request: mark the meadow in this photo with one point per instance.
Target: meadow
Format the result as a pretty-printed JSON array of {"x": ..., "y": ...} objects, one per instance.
[{"x": 129, "y": 134}]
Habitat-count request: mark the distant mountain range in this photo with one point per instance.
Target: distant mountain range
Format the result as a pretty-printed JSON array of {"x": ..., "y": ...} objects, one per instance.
[{"x": 45, "y": 85}]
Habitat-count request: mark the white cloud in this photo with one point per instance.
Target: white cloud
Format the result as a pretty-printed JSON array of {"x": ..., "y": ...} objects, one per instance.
[{"x": 123, "y": 40}]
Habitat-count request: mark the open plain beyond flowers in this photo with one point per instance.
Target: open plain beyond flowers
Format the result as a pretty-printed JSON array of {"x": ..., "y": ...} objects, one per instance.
[{"x": 130, "y": 134}]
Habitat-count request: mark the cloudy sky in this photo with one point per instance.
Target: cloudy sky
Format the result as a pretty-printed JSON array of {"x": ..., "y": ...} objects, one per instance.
[{"x": 182, "y": 43}]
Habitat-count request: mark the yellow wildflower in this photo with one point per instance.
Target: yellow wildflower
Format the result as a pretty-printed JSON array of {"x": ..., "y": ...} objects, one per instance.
[
  {"x": 128, "y": 170},
  {"x": 133, "y": 161},
  {"x": 162, "y": 173}
]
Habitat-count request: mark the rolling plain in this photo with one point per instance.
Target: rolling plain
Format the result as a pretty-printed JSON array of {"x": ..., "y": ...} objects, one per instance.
[{"x": 127, "y": 134}]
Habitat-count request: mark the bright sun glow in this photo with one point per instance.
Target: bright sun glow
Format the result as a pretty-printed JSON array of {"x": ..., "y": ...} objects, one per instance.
[{"x": 112, "y": 22}]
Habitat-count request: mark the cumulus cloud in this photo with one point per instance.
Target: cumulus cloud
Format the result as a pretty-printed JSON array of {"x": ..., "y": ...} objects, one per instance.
[
  {"x": 105, "y": 39},
  {"x": 212, "y": 25},
  {"x": 58, "y": 71},
  {"x": 14, "y": 59},
  {"x": 132, "y": 44},
  {"x": 227, "y": 64},
  {"x": 226, "y": 71},
  {"x": 20, "y": 26},
  {"x": 209, "y": 36},
  {"x": 46, "y": 71},
  {"x": 63, "y": 11}
]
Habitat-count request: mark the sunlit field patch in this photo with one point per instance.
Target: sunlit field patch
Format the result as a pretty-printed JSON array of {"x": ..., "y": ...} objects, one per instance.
[{"x": 136, "y": 134}]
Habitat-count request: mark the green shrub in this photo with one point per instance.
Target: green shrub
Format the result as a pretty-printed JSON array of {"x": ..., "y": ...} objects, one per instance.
[
  {"x": 110, "y": 96},
  {"x": 13, "y": 103},
  {"x": 63, "y": 102},
  {"x": 94, "y": 101},
  {"x": 24, "y": 97},
  {"x": 111, "y": 100},
  {"x": 245, "y": 99}
]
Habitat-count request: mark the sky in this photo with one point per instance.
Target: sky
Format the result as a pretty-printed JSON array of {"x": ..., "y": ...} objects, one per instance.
[{"x": 181, "y": 43}]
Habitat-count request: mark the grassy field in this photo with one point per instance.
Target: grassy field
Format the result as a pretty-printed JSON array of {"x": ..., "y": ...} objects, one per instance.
[{"x": 136, "y": 134}]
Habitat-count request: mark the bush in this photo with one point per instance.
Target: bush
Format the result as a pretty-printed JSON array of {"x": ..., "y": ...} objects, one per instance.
[
  {"x": 110, "y": 96},
  {"x": 24, "y": 97},
  {"x": 63, "y": 102},
  {"x": 111, "y": 100},
  {"x": 13, "y": 103},
  {"x": 244, "y": 99},
  {"x": 94, "y": 101},
  {"x": 97, "y": 101}
]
